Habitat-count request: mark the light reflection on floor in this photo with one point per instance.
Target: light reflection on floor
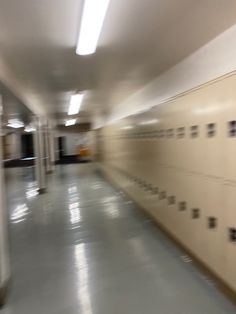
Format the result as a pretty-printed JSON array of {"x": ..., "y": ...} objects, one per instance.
[{"x": 82, "y": 248}]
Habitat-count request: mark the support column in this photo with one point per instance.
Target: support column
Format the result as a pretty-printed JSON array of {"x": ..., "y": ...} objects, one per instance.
[
  {"x": 52, "y": 152},
  {"x": 40, "y": 155},
  {"x": 50, "y": 148},
  {"x": 4, "y": 250},
  {"x": 47, "y": 151}
]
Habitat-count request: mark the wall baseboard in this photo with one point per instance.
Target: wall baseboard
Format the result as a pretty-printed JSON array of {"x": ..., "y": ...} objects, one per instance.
[{"x": 220, "y": 284}]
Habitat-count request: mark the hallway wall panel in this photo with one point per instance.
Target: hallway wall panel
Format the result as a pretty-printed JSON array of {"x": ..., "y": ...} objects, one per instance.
[{"x": 178, "y": 161}]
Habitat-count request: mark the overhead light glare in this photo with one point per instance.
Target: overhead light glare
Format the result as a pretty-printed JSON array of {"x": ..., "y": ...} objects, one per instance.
[
  {"x": 29, "y": 129},
  {"x": 149, "y": 122},
  {"x": 75, "y": 103},
  {"x": 70, "y": 122},
  {"x": 15, "y": 124},
  {"x": 94, "y": 14},
  {"x": 127, "y": 127}
]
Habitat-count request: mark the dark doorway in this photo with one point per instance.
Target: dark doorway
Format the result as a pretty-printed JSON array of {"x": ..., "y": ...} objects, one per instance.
[
  {"x": 61, "y": 146},
  {"x": 27, "y": 145}
]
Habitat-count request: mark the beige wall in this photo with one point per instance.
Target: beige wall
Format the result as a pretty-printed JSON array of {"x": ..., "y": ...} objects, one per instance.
[{"x": 179, "y": 162}]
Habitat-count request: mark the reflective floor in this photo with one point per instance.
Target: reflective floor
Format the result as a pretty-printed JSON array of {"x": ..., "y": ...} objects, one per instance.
[{"x": 84, "y": 249}]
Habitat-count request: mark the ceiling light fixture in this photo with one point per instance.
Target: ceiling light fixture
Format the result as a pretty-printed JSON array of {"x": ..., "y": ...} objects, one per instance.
[
  {"x": 15, "y": 124},
  {"x": 29, "y": 128},
  {"x": 70, "y": 122},
  {"x": 75, "y": 103},
  {"x": 94, "y": 14}
]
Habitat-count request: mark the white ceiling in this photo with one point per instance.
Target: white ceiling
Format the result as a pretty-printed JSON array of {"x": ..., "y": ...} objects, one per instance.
[{"x": 140, "y": 39}]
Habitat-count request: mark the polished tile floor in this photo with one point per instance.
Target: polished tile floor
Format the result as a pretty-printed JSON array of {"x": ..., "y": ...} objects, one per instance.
[{"x": 83, "y": 248}]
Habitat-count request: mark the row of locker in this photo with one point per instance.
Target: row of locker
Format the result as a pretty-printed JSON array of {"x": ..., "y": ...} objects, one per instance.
[
  {"x": 213, "y": 158},
  {"x": 199, "y": 212},
  {"x": 178, "y": 162},
  {"x": 192, "y": 132}
]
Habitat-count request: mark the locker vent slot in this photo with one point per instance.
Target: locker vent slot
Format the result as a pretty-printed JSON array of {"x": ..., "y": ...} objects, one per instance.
[
  {"x": 212, "y": 222},
  {"x": 195, "y": 213},
  {"x": 194, "y": 130},
  {"x": 211, "y": 130},
  {"x": 232, "y": 235},
  {"x": 149, "y": 187},
  {"x": 182, "y": 206},
  {"x": 162, "y": 134},
  {"x": 154, "y": 135},
  {"x": 140, "y": 182},
  {"x": 232, "y": 128},
  {"x": 171, "y": 200},
  {"x": 157, "y": 134},
  {"x": 162, "y": 195},
  {"x": 181, "y": 132},
  {"x": 170, "y": 133},
  {"x": 143, "y": 184},
  {"x": 155, "y": 191}
]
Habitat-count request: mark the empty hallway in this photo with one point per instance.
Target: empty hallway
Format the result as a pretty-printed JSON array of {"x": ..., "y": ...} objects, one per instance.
[{"x": 85, "y": 248}]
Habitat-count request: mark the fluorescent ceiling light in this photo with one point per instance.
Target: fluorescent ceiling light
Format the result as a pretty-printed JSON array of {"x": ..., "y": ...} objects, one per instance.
[
  {"x": 15, "y": 124},
  {"x": 70, "y": 122},
  {"x": 75, "y": 103},
  {"x": 94, "y": 13},
  {"x": 29, "y": 128}
]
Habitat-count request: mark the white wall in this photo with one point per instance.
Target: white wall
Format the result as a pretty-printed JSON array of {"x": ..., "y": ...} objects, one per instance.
[
  {"x": 71, "y": 143},
  {"x": 212, "y": 61},
  {"x": 72, "y": 140}
]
